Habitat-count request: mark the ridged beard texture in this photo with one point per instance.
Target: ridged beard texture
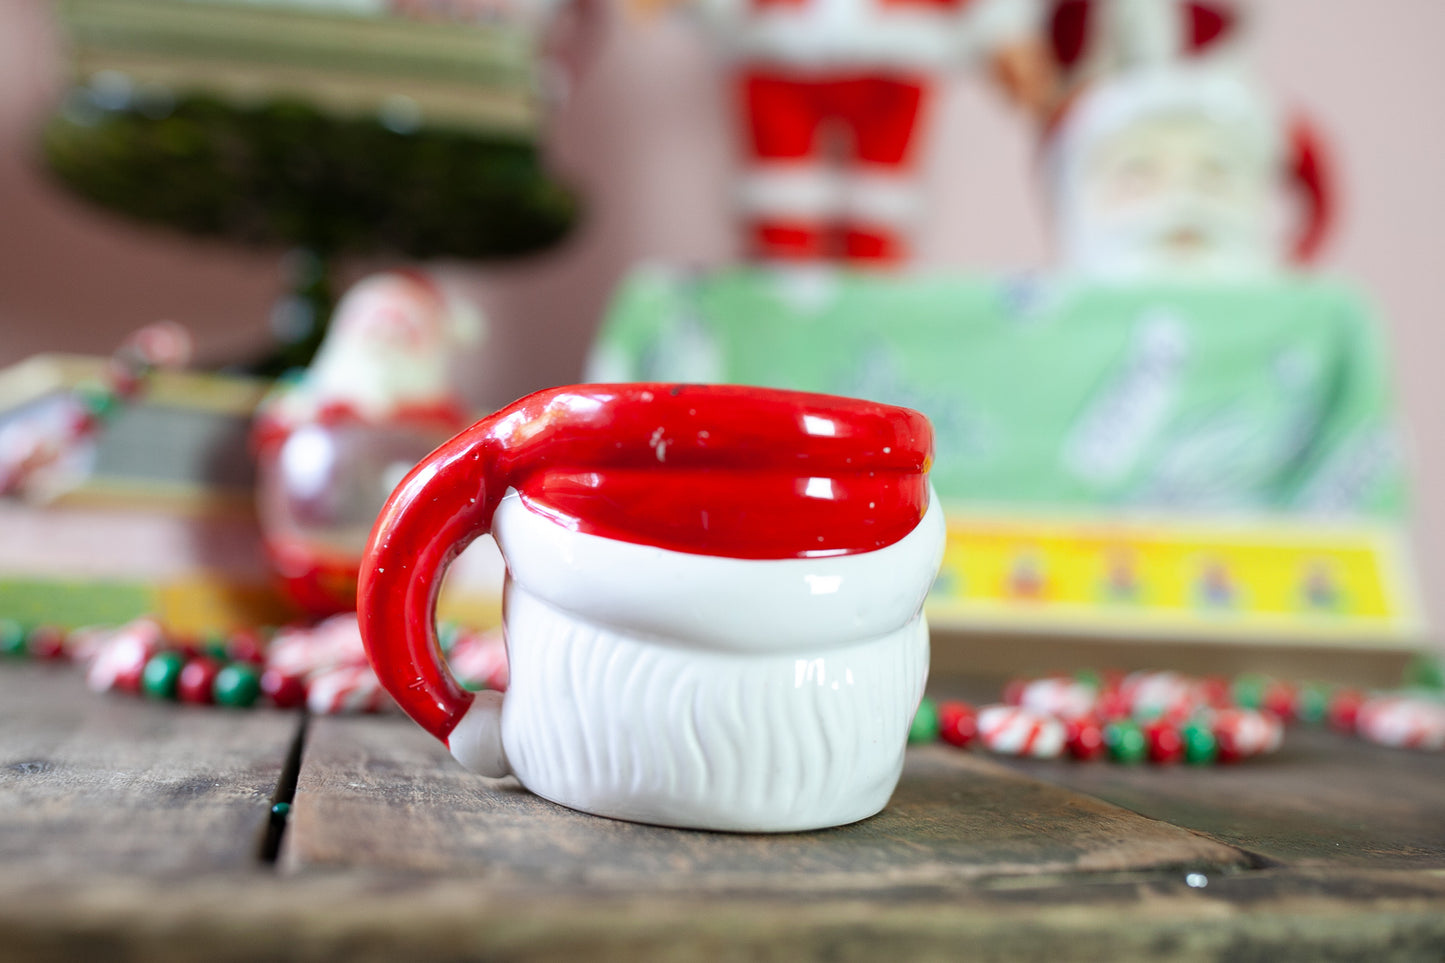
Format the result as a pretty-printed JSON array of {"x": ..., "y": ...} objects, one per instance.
[{"x": 644, "y": 729}]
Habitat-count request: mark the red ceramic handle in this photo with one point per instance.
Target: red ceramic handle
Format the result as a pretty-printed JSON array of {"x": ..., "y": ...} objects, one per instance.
[
  {"x": 711, "y": 469},
  {"x": 438, "y": 509}
]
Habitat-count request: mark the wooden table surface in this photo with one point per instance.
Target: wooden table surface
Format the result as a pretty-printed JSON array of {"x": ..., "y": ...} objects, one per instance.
[{"x": 141, "y": 831}]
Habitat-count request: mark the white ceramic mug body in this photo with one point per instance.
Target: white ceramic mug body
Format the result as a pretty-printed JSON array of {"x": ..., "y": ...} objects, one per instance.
[{"x": 714, "y": 693}]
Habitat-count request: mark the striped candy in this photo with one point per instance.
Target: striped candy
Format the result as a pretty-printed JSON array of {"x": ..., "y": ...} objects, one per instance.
[
  {"x": 479, "y": 660},
  {"x": 1059, "y": 696},
  {"x": 1241, "y": 733},
  {"x": 1403, "y": 721},
  {"x": 348, "y": 689},
  {"x": 120, "y": 657},
  {"x": 305, "y": 653},
  {"x": 1168, "y": 695},
  {"x": 1016, "y": 731}
]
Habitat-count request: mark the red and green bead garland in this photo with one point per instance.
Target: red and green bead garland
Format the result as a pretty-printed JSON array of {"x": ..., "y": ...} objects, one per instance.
[
  {"x": 1166, "y": 718},
  {"x": 321, "y": 667}
]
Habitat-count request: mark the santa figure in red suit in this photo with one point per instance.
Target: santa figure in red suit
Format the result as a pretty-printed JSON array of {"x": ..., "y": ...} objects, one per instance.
[
  {"x": 833, "y": 96},
  {"x": 332, "y": 443}
]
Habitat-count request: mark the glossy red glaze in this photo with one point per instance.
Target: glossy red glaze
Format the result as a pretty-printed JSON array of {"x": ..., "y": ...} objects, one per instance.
[{"x": 708, "y": 469}]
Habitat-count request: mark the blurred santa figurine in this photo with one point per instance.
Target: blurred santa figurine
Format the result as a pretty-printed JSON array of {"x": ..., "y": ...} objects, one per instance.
[
  {"x": 1183, "y": 173},
  {"x": 333, "y": 442},
  {"x": 833, "y": 96}
]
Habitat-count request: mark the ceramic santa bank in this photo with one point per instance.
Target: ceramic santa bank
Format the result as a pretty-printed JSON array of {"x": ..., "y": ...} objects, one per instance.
[
  {"x": 332, "y": 443},
  {"x": 1184, "y": 173},
  {"x": 713, "y": 605}
]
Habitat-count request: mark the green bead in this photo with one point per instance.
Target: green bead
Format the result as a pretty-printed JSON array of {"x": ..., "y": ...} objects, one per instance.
[
  {"x": 158, "y": 678},
  {"x": 237, "y": 685},
  {"x": 1126, "y": 741},
  {"x": 1200, "y": 746},
  {"x": 12, "y": 638},
  {"x": 99, "y": 401},
  {"x": 925, "y": 723},
  {"x": 1313, "y": 703},
  {"x": 281, "y": 809},
  {"x": 1248, "y": 690},
  {"x": 1090, "y": 678},
  {"x": 447, "y": 633},
  {"x": 1425, "y": 672},
  {"x": 215, "y": 645}
]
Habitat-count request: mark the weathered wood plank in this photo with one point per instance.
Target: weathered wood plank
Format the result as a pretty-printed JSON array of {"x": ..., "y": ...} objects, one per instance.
[
  {"x": 95, "y": 785},
  {"x": 359, "y": 917},
  {"x": 381, "y": 794},
  {"x": 1324, "y": 799}
]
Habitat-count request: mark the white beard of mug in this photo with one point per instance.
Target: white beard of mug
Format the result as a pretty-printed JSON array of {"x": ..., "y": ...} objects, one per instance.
[{"x": 774, "y": 716}]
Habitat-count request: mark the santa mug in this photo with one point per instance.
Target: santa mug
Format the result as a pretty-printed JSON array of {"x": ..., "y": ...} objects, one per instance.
[{"x": 713, "y": 603}]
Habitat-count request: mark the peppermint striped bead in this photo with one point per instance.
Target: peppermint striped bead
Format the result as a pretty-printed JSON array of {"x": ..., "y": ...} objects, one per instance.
[
  {"x": 346, "y": 690},
  {"x": 1403, "y": 721},
  {"x": 1059, "y": 696},
  {"x": 1015, "y": 731}
]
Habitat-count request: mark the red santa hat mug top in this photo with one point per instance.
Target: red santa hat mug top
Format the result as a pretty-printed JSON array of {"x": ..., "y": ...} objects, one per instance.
[{"x": 713, "y": 603}]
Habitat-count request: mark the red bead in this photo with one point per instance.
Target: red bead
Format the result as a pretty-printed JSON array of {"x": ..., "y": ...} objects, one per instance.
[
  {"x": 1113, "y": 705},
  {"x": 285, "y": 691},
  {"x": 1085, "y": 739},
  {"x": 1166, "y": 744},
  {"x": 957, "y": 723},
  {"x": 197, "y": 678},
  {"x": 1215, "y": 690},
  {"x": 46, "y": 642},
  {"x": 246, "y": 645},
  {"x": 1281, "y": 698},
  {"x": 190, "y": 646},
  {"x": 128, "y": 678},
  {"x": 1013, "y": 692},
  {"x": 1344, "y": 709}
]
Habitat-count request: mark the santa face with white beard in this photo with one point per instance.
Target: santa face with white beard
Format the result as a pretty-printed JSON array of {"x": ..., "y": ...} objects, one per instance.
[
  {"x": 1170, "y": 178},
  {"x": 389, "y": 347},
  {"x": 1175, "y": 197}
]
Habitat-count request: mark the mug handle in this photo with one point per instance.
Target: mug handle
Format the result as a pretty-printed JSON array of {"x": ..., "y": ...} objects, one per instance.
[{"x": 442, "y": 505}]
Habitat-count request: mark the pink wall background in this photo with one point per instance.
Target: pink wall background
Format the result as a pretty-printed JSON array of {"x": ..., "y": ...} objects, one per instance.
[{"x": 647, "y": 140}]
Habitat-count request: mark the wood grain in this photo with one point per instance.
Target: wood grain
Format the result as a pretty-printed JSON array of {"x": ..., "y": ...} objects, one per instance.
[
  {"x": 380, "y": 793},
  {"x": 1323, "y": 800},
  {"x": 363, "y": 916},
  {"x": 116, "y": 785},
  {"x": 127, "y": 831}
]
